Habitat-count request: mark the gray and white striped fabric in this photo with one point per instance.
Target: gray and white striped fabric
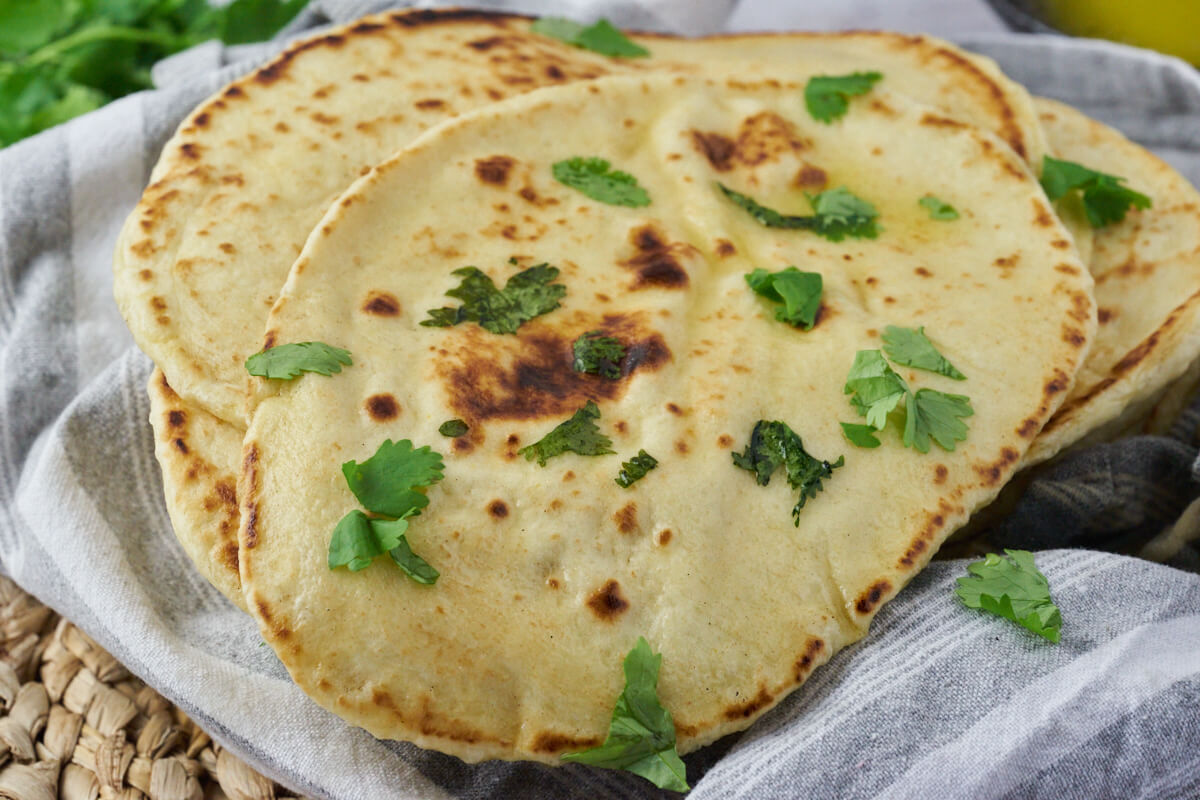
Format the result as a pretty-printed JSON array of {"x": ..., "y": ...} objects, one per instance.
[{"x": 938, "y": 701}]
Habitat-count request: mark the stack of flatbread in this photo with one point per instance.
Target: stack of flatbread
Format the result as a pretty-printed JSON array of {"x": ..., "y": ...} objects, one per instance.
[{"x": 338, "y": 196}]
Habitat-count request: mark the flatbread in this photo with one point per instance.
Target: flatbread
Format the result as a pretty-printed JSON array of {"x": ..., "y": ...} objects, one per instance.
[
  {"x": 1147, "y": 272},
  {"x": 249, "y": 173},
  {"x": 549, "y": 575}
]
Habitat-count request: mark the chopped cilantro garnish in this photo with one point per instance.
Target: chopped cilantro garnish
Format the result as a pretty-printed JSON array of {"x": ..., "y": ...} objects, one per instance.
[
  {"x": 593, "y": 177},
  {"x": 641, "y": 735},
  {"x": 597, "y": 354},
  {"x": 453, "y": 428},
  {"x": 838, "y": 213},
  {"x": 1105, "y": 200},
  {"x": 912, "y": 348},
  {"x": 635, "y": 469},
  {"x": 827, "y": 97},
  {"x": 528, "y": 294},
  {"x": 799, "y": 292},
  {"x": 386, "y": 484},
  {"x": 600, "y": 37},
  {"x": 578, "y": 434},
  {"x": 286, "y": 361},
  {"x": 774, "y": 445},
  {"x": 860, "y": 435},
  {"x": 935, "y": 414},
  {"x": 1013, "y": 588},
  {"x": 877, "y": 389},
  {"x": 938, "y": 209}
]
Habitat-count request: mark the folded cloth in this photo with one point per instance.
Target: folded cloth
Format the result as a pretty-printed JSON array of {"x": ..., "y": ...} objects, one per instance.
[{"x": 937, "y": 701}]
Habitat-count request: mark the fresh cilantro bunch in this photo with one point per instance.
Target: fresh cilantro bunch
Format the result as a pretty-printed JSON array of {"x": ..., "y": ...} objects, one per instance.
[
  {"x": 63, "y": 58},
  {"x": 774, "y": 445},
  {"x": 877, "y": 390},
  {"x": 1013, "y": 588},
  {"x": 1105, "y": 200},
  {"x": 837, "y": 213}
]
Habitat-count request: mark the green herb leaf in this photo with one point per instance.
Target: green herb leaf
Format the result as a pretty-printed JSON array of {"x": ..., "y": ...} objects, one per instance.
[
  {"x": 528, "y": 294},
  {"x": 800, "y": 293},
  {"x": 1013, "y": 588},
  {"x": 938, "y": 209},
  {"x": 635, "y": 469},
  {"x": 254, "y": 20},
  {"x": 597, "y": 354},
  {"x": 1105, "y": 200},
  {"x": 827, "y": 97},
  {"x": 453, "y": 428},
  {"x": 286, "y": 361},
  {"x": 358, "y": 539},
  {"x": 578, "y": 434},
  {"x": 26, "y": 25},
  {"x": 774, "y": 445},
  {"x": 412, "y": 564},
  {"x": 860, "y": 435},
  {"x": 838, "y": 213},
  {"x": 593, "y": 177},
  {"x": 600, "y": 37},
  {"x": 386, "y": 482},
  {"x": 912, "y": 348},
  {"x": 877, "y": 389},
  {"x": 935, "y": 414},
  {"x": 641, "y": 735}
]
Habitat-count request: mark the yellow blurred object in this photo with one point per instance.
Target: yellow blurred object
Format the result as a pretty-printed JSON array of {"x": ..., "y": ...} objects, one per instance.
[{"x": 1169, "y": 26}]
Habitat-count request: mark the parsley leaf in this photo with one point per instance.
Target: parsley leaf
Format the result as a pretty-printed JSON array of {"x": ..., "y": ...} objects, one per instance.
[
  {"x": 800, "y": 293},
  {"x": 1105, "y": 200},
  {"x": 935, "y": 414},
  {"x": 877, "y": 389},
  {"x": 774, "y": 445},
  {"x": 912, "y": 348},
  {"x": 635, "y": 469},
  {"x": 386, "y": 483},
  {"x": 593, "y": 177},
  {"x": 528, "y": 294},
  {"x": 860, "y": 435},
  {"x": 838, "y": 213},
  {"x": 597, "y": 354},
  {"x": 641, "y": 735},
  {"x": 827, "y": 97},
  {"x": 938, "y": 209},
  {"x": 578, "y": 434},
  {"x": 1013, "y": 588},
  {"x": 286, "y": 361},
  {"x": 600, "y": 37},
  {"x": 453, "y": 428}
]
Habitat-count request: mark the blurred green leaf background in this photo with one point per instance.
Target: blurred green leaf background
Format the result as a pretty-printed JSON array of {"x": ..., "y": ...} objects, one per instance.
[{"x": 63, "y": 58}]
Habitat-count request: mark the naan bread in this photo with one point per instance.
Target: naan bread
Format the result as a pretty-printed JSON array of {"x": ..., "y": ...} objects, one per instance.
[
  {"x": 549, "y": 575},
  {"x": 250, "y": 172},
  {"x": 1147, "y": 273}
]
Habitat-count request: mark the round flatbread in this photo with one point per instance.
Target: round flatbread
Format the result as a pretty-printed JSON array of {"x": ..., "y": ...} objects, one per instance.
[
  {"x": 549, "y": 574},
  {"x": 249, "y": 173}
]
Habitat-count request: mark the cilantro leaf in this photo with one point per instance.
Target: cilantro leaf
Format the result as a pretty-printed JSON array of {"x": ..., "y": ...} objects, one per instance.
[
  {"x": 912, "y": 348},
  {"x": 838, "y": 213},
  {"x": 827, "y": 97},
  {"x": 597, "y": 354},
  {"x": 1013, "y": 588},
  {"x": 386, "y": 482},
  {"x": 641, "y": 734},
  {"x": 410, "y": 563},
  {"x": 938, "y": 209},
  {"x": 593, "y": 177},
  {"x": 528, "y": 294},
  {"x": 635, "y": 469},
  {"x": 254, "y": 20},
  {"x": 600, "y": 37},
  {"x": 578, "y": 434},
  {"x": 286, "y": 361},
  {"x": 937, "y": 415},
  {"x": 358, "y": 539},
  {"x": 774, "y": 445},
  {"x": 877, "y": 389},
  {"x": 860, "y": 435},
  {"x": 1105, "y": 200},
  {"x": 800, "y": 293},
  {"x": 453, "y": 428}
]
